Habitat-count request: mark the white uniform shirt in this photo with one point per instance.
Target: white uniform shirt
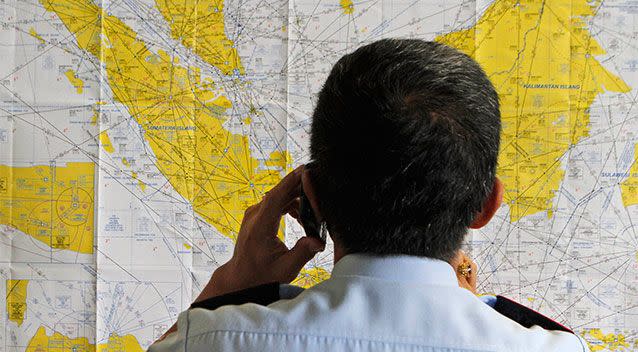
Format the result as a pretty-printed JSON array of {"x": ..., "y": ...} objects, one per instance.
[{"x": 370, "y": 303}]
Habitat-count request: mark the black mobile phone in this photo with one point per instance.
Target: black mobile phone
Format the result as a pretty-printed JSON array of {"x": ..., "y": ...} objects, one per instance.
[{"x": 307, "y": 216}]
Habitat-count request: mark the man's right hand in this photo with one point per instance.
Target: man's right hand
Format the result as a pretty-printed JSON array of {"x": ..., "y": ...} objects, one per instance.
[{"x": 468, "y": 280}]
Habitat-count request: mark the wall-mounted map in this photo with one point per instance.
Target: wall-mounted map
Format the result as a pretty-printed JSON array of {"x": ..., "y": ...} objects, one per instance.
[{"x": 134, "y": 134}]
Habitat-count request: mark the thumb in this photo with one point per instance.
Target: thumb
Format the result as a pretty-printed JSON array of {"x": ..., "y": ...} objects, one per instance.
[{"x": 294, "y": 260}]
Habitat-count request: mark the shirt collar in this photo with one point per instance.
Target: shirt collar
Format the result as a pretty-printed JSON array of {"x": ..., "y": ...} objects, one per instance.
[{"x": 397, "y": 268}]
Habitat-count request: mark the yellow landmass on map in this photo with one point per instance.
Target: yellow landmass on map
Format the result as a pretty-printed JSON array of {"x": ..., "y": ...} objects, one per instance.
[
  {"x": 347, "y": 6},
  {"x": 199, "y": 25},
  {"x": 310, "y": 277},
  {"x": 181, "y": 117},
  {"x": 17, "y": 300},
  {"x": 105, "y": 141},
  {"x": 140, "y": 183},
  {"x": 94, "y": 116},
  {"x": 609, "y": 342},
  {"x": 52, "y": 204},
  {"x": 35, "y": 35},
  {"x": 41, "y": 342},
  {"x": 77, "y": 83},
  {"x": 629, "y": 187},
  {"x": 541, "y": 58}
]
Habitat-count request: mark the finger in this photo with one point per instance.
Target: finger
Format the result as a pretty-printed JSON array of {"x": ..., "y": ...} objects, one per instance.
[
  {"x": 464, "y": 284},
  {"x": 457, "y": 259},
  {"x": 294, "y": 260},
  {"x": 283, "y": 193},
  {"x": 251, "y": 210},
  {"x": 473, "y": 275},
  {"x": 293, "y": 208}
]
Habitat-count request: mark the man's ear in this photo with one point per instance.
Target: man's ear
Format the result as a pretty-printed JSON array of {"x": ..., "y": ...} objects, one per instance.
[
  {"x": 491, "y": 205},
  {"x": 310, "y": 191}
]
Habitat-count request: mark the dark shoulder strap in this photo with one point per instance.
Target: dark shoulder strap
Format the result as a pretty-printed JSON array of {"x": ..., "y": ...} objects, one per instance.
[
  {"x": 263, "y": 294},
  {"x": 525, "y": 316}
]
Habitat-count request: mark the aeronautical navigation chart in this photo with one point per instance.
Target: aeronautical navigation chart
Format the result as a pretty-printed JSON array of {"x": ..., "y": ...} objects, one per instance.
[{"x": 134, "y": 133}]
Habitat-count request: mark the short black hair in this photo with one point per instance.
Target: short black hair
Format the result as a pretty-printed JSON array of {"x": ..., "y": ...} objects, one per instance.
[{"x": 405, "y": 138}]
